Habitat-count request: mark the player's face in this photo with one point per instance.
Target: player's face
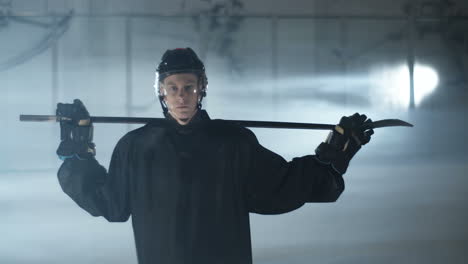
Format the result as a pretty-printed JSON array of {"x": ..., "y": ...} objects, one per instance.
[{"x": 181, "y": 93}]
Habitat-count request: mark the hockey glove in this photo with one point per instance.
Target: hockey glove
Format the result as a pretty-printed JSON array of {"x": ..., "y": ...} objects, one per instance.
[
  {"x": 344, "y": 142},
  {"x": 76, "y": 131}
]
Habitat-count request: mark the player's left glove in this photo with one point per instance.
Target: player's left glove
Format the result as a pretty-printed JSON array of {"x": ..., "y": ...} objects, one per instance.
[{"x": 344, "y": 142}]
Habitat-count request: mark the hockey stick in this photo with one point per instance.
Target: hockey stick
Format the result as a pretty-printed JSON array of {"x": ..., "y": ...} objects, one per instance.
[{"x": 245, "y": 123}]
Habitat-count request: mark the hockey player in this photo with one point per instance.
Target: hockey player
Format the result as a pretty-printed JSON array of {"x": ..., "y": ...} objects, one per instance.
[{"x": 190, "y": 185}]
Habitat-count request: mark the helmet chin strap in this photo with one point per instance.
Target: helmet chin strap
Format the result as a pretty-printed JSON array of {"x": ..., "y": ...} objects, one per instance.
[
  {"x": 199, "y": 105},
  {"x": 163, "y": 105}
]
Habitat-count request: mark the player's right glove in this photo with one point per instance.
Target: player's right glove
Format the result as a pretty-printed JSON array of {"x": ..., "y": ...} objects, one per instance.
[
  {"x": 76, "y": 131},
  {"x": 344, "y": 142}
]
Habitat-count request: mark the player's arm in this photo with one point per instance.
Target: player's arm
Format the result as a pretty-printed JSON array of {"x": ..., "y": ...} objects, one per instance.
[
  {"x": 276, "y": 186},
  {"x": 81, "y": 177}
]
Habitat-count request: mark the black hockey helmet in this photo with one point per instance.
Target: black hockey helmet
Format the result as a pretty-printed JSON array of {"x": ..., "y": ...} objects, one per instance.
[{"x": 180, "y": 60}]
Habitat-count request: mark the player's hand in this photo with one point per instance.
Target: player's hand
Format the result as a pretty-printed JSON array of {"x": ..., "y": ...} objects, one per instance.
[
  {"x": 76, "y": 130},
  {"x": 74, "y": 114},
  {"x": 345, "y": 141},
  {"x": 354, "y": 130}
]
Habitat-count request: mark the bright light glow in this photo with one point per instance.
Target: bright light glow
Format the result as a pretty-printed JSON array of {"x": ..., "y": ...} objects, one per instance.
[
  {"x": 425, "y": 82},
  {"x": 394, "y": 84}
]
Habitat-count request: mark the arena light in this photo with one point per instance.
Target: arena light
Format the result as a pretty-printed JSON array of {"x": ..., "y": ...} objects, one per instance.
[
  {"x": 426, "y": 80},
  {"x": 394, "y": 84}
]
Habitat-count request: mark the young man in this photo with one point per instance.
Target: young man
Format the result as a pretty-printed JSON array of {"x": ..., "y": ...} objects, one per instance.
[{"x": 191, "y": 184}]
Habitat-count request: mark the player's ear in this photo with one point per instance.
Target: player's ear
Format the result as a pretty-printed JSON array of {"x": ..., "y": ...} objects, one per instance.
[{"x": 162, "y": 90}]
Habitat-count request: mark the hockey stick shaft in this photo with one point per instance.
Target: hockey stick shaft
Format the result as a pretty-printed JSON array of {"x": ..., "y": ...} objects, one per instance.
[{"x": 245, "y": 123}]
